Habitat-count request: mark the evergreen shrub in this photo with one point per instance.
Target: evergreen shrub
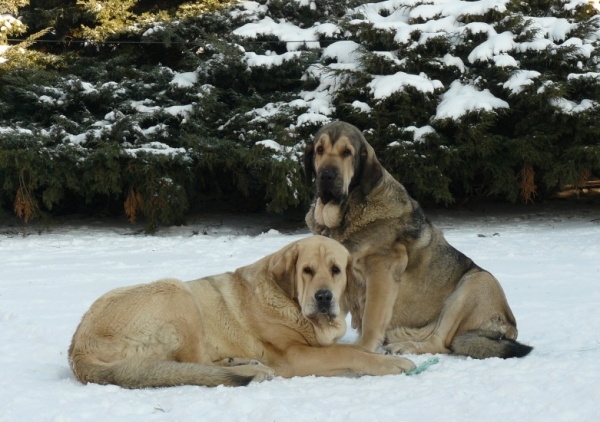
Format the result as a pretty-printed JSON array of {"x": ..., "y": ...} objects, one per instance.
[{"x": 156, "y": 109}]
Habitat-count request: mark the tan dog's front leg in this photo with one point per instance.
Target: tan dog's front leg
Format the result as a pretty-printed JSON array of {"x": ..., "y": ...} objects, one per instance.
[
  {"x": 382, "y": 291},
  {"x": 340, "y": 359}
]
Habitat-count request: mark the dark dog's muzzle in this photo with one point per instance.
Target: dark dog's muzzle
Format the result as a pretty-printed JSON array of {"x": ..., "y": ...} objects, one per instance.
[{"x": 329, "y": 185}]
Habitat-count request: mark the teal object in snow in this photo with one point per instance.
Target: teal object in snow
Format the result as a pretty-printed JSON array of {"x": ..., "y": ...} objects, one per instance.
[{"x": 422, "y": 366}]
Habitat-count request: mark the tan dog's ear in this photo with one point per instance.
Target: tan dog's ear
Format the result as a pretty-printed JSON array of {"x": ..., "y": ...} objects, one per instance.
[
  {"x": 371, "y": 171},
  {"x": 309, "y": 163},
  {"x": 283, "y": 268}
]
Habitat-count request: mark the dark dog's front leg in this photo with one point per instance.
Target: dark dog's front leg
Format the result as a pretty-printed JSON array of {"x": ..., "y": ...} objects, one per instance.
[{"x": 382, "y": 291}]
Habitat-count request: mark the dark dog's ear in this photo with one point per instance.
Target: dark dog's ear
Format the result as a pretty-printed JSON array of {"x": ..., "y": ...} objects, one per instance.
[
  {"x": 371, "y": 170},
  {"x": 282, "y": 266},
  {"x": 353, "y": 299},
  {"x": 309, "y": 163},
  {"x": 349, "y": 272},
  {"x": 345, "y": 300}
]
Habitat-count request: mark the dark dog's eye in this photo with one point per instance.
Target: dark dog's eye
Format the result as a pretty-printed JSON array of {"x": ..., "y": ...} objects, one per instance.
[
  {"x": 335, "y": 270},
  {"x": 320, "y": 150},
  {"x": 307, "y": 270},
  {"x": 347, "y": 153}
]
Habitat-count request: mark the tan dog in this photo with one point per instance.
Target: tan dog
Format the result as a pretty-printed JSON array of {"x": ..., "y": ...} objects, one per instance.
[
  {"x": 284, "y": 311},
  {"x": 413, "y": 293}
]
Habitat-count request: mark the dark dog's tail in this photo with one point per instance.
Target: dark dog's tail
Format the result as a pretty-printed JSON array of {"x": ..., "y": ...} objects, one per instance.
[
  {"x": 480, "y": 344},
  {"x": 146, "y": 373}
]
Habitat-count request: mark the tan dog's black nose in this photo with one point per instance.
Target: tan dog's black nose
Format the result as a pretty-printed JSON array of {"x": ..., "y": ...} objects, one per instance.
[{"x": 323, "y": 298}]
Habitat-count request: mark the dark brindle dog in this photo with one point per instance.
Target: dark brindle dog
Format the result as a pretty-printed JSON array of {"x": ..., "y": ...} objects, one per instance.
[{"x": 413, "y": 292}]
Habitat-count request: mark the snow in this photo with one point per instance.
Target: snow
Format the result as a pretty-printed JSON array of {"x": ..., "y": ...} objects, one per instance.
[
  {"x": 584, "y": 50},
  {"x": 572, "y": 107},
  {"x": 361, "y": 106},
  {"x": 142, "y": 107},
  {"x": 505, "y": 60},
  {"x": 420, "y": 132},
  {"x": 270, "y": 59},
  {"x": 432, "y": 27},
  {"x": 572, "y": 4},
  {"x": 15, "y": 130},
  {"x": 88, "y": 88},
  {"x": 295, "y": 36},
  {"x": 155, "y": 147},
  {"x": 461, "y": 99},
  {"x": 536, "y": 45},
  {"x": 271, "y": 144},
  {"x": 7, "y": 21},
  {"x": 391, "y": 56},
  {"x": 450, "y": 60},
  {"x": 520, "y": 79},
  {"x": 457, "y": 8},
  {"x": 281, "y": 151},
  {"x": 547, "y": 262},
  {"x": 385, "y": 86},
  {"x": 556, "y": 29},
  {"x": 179, "y": 110},
  {"x": 312, "y": 118},
  {"x": 495, "y": 45},
  {"x": 248, "y": 8},
  {"x": 3, "y": 49},
  {"x": 343, "y": 52},
  {"x": 319, "y": 101},
  {"x": 264, "y": 113},
  {"x": 155, "y": 29},
  {"x": 594, "y": 75},
  {"x": 184, "y": 79}
]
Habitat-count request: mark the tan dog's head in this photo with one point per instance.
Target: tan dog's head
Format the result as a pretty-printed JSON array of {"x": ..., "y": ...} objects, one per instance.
[
  {"x": 314, "y": 271},
  {"x": 341, "y": 160}
]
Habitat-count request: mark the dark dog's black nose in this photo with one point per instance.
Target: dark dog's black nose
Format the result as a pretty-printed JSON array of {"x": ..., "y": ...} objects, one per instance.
[
  {"x": 323, "y": 297},
  {"x": 326, "y": 184},
  {"x": 327, "y": 175}
]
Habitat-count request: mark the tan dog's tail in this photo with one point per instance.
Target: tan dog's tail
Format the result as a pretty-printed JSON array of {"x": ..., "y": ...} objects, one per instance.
[
  {"x": 481, "y": 344},
  {"x": 138, "y": 373}
]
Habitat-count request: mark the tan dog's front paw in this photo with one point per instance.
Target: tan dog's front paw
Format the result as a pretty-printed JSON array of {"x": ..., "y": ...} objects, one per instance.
[{"x": 396, "y": 365}]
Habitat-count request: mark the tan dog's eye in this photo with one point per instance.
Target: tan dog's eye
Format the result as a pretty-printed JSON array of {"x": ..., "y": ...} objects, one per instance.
[
  {"x": 347, "y": 153},
  {"x": 307, "y": 270},
  {"x": 320, "y": 150},
  {"x": 335, "y": 270}
]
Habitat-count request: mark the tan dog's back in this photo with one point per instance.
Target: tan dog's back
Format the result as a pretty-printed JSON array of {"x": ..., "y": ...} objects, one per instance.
[{"x": 147, "y": 335}]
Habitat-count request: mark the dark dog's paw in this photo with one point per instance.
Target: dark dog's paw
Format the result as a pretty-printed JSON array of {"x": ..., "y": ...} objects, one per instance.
[
  {"x": 258, "y": 372},
  {"x": 400, "y": 348},
  {"x": 382, "y": 350},
  {"x": 415, "y": 348},
  {"x": 239, "y": 361}
]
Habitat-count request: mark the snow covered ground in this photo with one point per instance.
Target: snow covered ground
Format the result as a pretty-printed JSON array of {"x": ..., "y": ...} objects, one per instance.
[{"x": 547, "y": 261}]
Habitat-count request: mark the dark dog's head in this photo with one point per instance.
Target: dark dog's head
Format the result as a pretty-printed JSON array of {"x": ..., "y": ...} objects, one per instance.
[{"x": 341, "y": 160}]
